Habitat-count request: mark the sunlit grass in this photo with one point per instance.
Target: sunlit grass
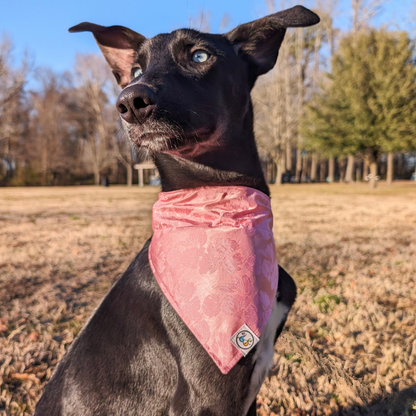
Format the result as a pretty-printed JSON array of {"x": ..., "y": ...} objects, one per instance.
[{"x": 351, "y": 336}]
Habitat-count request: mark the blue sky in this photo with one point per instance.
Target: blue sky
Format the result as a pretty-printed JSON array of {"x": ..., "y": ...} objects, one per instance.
[{"x": 41, "y": 26}]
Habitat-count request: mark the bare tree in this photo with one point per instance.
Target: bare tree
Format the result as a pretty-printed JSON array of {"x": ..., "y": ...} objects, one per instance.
[
  {"x": 201, "y": 22},
  {"x": 12, "y": 81},
  {"x": 275, "y": 103},
  {"x": 123, "y": 152},
  {"x": 325, "y": 31},
  {"x": 51, "y": 145},
  {"x": 301, "y": 96},
  {"x": 97, "y": 116},
  {"x": 363, "y": 11},
  {"x": 279, "y": 98},
  {"x": 275, "y": 99},
  {"x": 225, "y": 21},
  {"x": 315, "y": 77}
]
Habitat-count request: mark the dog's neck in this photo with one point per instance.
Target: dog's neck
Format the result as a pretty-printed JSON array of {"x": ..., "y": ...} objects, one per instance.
[{"x": 229, "y": 159}]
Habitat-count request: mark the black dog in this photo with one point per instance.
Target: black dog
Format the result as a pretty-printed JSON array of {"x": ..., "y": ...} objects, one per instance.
[{"x": 186, "y": 99}]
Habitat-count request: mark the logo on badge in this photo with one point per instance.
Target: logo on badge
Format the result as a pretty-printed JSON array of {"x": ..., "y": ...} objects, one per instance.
[{"x": 244, "y": 339}]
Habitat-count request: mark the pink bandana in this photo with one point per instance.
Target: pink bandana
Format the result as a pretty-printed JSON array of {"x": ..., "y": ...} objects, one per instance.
[{"x": 213, "y": 255}]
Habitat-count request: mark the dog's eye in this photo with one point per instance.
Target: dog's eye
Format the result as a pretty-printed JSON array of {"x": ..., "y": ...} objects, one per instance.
[
  {"x": 200, "y": 56},
  {"x": 136, "y": 72}
]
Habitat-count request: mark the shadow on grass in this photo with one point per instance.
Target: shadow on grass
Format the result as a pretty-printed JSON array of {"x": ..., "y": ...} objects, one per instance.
[{"x": 401, "y": 403}]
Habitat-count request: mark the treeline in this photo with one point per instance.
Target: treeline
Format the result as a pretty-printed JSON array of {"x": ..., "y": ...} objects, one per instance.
[
  {"x": 340, "y": 105},
  {"x": 64, "y": 131}
]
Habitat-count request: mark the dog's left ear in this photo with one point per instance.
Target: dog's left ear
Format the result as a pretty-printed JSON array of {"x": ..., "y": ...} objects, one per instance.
[
  {"x": 258, "y": 42},
  {"x": 118, "y": 45}
]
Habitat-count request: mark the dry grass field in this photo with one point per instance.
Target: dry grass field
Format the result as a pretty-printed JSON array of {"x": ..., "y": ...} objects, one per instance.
[{"x": 350, "y": 344}]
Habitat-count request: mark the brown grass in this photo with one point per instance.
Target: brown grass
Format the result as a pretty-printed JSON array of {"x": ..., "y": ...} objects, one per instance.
[{"x": 350, "y": 344}]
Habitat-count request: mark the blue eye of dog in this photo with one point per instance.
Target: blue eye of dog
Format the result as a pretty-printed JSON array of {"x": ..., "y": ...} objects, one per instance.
[
  {"x": 200, "y": 56},
  {"x": 136, "y": 72}
]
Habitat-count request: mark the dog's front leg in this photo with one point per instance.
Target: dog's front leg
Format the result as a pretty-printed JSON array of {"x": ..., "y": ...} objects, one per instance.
[
  {"x": 263, "y": 357},
  {"x": 252, "y": 410}
]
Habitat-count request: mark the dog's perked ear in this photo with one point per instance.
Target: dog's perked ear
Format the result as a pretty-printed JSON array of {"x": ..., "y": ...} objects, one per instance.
[
  {"x": 118, "y": 45},
  {"x": 258, "y": 42}
]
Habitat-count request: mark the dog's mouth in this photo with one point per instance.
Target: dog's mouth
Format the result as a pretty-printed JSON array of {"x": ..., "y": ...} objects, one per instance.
[{"x": 165, "y": 136}]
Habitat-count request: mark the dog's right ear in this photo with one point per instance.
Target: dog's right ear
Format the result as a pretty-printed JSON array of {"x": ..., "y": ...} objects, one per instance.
[
  {"x": 118, "y": 45},
  {"x": 258, "y": 42}
]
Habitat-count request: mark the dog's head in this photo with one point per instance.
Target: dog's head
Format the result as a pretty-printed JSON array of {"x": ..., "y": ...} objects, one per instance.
[{"x": 185, "y": 91}]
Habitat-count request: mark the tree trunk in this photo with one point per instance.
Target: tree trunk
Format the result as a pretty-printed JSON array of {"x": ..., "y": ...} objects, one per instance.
[
  {"x": 350, "y": 169},
  {"x": 331, "y": 170},
  {"x": 365, "y": 169},
  {"x": 400, "y": 167},
  {"x": 390, "y": 168},
  {"x": 342, "y": 165},
  {"x": 129, "y": 175},
  {"x": 115, "y": 171},
  {"x": 314, "y": 167},
  {"x": 373, "y": 173},
  {"x": 305, "y": 166},
  {"x": 96, "y": 177},
  {"x": 44, "y": 161},
  {"x": 280, "y": 170},
  {"x": 289, "y": 158},
  {"x": 127, "y": 165},
  {"x": 358, "y": 177},
  {"x": 415, "y": 167},
  {"x": 301, "y": 97},
  {"x": 298, "y": 165},
  {"x": 322, "y": 171}
]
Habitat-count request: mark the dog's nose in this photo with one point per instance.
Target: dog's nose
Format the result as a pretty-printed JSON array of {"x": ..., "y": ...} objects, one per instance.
[{"x": 135, "y": 103}]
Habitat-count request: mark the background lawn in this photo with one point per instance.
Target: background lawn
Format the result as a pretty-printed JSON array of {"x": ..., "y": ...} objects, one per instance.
[{"x": 350, "y": 342}]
